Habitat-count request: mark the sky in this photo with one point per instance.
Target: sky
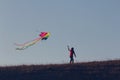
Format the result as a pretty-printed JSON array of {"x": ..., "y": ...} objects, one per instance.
[{"x": 92, "y": 27}]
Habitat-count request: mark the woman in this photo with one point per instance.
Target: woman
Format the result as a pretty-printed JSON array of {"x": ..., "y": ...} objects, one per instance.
[{"x": 71, "y": 52}]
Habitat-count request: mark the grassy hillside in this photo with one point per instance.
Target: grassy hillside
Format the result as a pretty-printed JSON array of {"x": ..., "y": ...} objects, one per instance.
[{"x": 102, "y": 70}]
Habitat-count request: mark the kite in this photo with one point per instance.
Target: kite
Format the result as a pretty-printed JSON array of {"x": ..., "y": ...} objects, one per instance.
[{"x": 42, "y": 36}]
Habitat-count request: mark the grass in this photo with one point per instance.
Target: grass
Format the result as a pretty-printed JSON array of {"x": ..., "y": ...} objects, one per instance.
[{"x": 97, "y": 70}]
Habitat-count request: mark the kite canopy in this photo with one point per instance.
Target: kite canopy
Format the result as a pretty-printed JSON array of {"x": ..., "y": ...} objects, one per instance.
[{"x": 44, "y": 35}]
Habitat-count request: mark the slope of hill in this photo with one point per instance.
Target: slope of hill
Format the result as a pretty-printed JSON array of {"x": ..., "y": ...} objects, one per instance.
[{"x": 102, "y": 70}]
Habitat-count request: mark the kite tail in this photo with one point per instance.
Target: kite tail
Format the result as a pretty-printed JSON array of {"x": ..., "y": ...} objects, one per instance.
[{"x": 27, "y": 44}]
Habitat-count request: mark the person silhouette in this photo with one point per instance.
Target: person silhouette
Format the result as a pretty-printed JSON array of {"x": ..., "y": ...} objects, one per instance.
[{"x": 71, "y": 52}]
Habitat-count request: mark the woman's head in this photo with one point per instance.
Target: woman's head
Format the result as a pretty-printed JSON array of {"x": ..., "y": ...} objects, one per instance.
[{"x": 72, "y": 48}]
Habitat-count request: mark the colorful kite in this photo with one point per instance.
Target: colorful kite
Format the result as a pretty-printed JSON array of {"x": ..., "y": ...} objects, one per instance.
[{"x": 42, "y": 36}]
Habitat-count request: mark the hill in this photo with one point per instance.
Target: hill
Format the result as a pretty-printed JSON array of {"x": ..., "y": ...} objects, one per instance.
[{"x": 97, "y": 70}]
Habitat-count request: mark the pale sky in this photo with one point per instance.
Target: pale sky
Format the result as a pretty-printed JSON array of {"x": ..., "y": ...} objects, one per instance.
[{"x": 92, "y": 27}]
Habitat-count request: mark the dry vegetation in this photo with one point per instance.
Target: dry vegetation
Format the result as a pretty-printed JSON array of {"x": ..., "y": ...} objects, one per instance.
[{"x": 101, "y": 70}]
